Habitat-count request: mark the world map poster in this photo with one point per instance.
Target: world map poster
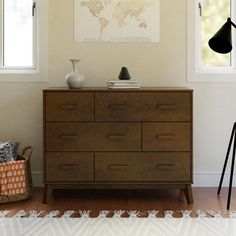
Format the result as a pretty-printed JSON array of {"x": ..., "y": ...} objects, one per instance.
[{"x": 117, "y": 20}]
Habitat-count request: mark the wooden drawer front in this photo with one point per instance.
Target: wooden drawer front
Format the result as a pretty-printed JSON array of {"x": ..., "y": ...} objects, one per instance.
[
  {"x": 139, "y": 106},
  {"x": 73, "y": 106},
  {"x": 166, "y": 136},
  {"x": 69, "y": 166},
  {"x": 142, "y": 167},
  {"x": 88, "y": 136}
]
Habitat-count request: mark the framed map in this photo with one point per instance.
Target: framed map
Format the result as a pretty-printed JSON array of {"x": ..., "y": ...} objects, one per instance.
[{"x": 117, "y": 20}]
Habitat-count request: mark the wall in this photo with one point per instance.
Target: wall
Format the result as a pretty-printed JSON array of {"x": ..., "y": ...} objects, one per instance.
[
  {"x": 156, "y": 64},
  {"x": 153, "y": 64}
]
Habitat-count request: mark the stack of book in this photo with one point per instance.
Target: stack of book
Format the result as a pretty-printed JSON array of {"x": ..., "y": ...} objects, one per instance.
[{"x": 123, "y": 84}]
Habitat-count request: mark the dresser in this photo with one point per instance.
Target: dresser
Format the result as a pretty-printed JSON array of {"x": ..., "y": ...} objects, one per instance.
[{"x": 127, "y": 139}]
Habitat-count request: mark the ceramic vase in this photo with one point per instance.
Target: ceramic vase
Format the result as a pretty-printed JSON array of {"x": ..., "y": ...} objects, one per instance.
[
  {"x": 75, "y": 80},
  {"x": 124, "y": 74}
]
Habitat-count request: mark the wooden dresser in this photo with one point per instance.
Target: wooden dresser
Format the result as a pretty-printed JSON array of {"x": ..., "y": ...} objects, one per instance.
[{"x": 103, "y": 138}]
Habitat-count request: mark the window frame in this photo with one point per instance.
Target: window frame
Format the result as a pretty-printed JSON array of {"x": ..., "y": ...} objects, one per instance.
[
  {"x": 195, "y": 73},
  {"x": 39, "y": 71},
  {"x": 34, "y": 56}
]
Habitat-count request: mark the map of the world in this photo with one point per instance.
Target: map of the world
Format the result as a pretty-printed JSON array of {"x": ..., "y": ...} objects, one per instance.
[{"x": 117, "y": 20}]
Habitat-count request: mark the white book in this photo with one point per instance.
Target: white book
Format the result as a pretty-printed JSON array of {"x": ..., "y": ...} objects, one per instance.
[
  {"x": 123, "y": 81},
  {"x": 120, "y": 85},
  {"x": 124, "y": 87}
]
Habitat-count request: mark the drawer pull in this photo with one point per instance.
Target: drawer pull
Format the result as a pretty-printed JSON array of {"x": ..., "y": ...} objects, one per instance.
[
  {"x": 165, "y": 136},
  {"x": 118, "y": 106},
  {"x": 118, "y": 166},
  {"x": 166, "y": 106},
  {"x": 116, "y": 136},
  {"x": 69, "y": 106},
  {"x": 69, "y": 167},
  {"x": 69, "y": 136},
  {"x": 165, "y": 166}
]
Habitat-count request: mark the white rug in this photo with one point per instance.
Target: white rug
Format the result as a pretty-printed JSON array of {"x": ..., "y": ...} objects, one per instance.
[
  {"x": 55, "y": 224},
  {"x": 116, "y": 227}
]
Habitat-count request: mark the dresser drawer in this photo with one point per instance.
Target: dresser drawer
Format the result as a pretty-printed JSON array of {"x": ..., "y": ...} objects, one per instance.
[
  {"x": 93, "y": 136},
  {"x": 140, "y": 106},
  {"x": 162, "y": 136},
  {"x": 162, "y": 167},
  {"x": 69, "y": 166},
  {"x": 73, "y": 106}
]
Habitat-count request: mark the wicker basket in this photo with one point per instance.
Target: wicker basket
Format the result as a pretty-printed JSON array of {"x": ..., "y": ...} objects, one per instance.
[{"x": 25, "y": 156}]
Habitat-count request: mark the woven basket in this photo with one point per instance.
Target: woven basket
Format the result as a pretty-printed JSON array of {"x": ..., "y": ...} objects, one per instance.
[{"x": 25, "y": 156}]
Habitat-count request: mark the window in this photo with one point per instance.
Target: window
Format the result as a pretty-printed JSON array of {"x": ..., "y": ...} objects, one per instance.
[
  {"x": 204, "y": 19},
  {"x": 23, "y": 40},
  {"x": 213, "y": 15},
  {"x": 18, "y": 34}
]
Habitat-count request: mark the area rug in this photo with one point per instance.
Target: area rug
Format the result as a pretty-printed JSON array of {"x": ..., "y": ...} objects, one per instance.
[{"x": 35, "y": 223}]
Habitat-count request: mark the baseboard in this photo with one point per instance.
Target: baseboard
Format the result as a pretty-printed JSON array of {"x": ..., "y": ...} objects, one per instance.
[
  {"x": 211, "y": 179},
  {"x": 201, "y": 179},
  {"x": 37, "y": 177}
]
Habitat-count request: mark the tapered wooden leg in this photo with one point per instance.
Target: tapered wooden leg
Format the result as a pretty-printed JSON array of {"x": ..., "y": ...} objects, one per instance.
[
  {"x": 45, "y": 193},
  {"x": 188, "y": 193}
]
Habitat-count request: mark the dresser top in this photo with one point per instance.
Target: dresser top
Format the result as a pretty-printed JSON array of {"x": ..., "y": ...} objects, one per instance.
[{"x": 105, "y": 89}]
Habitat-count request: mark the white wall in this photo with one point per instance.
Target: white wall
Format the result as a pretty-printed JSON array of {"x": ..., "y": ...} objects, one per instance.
[{"x": 157, "y": 64}]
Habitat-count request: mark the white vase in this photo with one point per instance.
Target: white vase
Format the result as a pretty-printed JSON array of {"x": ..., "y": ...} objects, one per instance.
[{"x": 75, "y": 79}]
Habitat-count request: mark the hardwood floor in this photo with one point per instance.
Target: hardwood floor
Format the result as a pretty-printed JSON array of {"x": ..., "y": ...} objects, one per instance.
[{"x": 142, "y": 200}]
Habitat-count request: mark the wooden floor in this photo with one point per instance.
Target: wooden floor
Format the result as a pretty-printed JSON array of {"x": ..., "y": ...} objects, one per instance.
[{"x": 142, "y": 200}]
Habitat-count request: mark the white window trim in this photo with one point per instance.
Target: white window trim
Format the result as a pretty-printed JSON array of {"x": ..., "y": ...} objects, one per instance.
[
  {"x": 194, "y": 73},
  {"x": 23, "y": 69},
  {"x": 40, "y": 73}
]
